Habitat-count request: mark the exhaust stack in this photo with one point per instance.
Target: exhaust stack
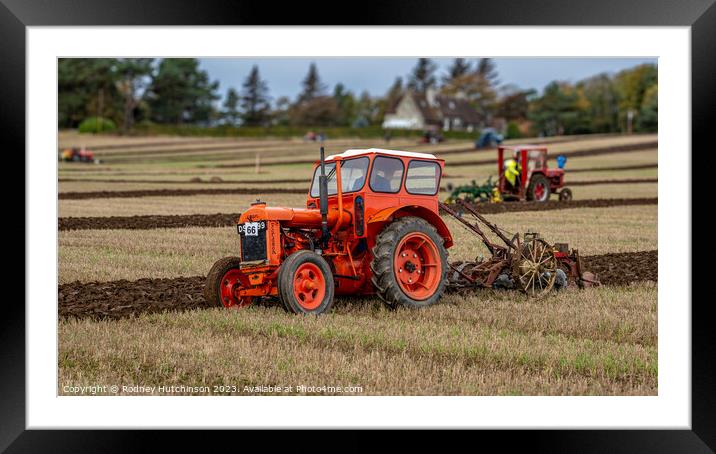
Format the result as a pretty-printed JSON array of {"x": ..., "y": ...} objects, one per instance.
[{"x": 323, "y": 194}]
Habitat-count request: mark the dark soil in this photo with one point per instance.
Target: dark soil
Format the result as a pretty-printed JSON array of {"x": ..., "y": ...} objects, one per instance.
[
  {"x": 624, "y": 268},
  {"x": 193, "y": 180},
  {"x": 174, "y": 192},
  {"x": 147, "y": 222},
  {"x": 615, "y": 168},
  {"x": 618, "y": 181},
  {"x": 510, "y": 207},
  {"x": 224, "y": 219},
  {"x": 122, "y": 299},
  {"x": 573, "y": 154}
]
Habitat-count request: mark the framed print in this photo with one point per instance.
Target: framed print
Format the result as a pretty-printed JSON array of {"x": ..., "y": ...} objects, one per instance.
[{"x": 445, "y": 217}]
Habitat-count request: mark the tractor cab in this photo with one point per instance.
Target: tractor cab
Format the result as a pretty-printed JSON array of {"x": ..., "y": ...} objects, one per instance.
[
  {"x": 524, "y": 174},
  {"x": 375, "y": 183}
]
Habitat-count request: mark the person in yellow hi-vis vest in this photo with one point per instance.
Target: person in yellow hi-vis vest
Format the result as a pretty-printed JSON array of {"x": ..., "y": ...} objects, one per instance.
[{"x": 512, "y": 173}]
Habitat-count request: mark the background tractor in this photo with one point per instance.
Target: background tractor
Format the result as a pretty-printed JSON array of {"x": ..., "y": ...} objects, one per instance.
[
  {"x": 371, "y": 225},
  {"x": 536, "y": 181},
  {"x": 78, "y": 155}
]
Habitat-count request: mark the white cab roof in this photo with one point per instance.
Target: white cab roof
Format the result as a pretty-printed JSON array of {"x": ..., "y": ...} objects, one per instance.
[{"x": 407, "y": 154}]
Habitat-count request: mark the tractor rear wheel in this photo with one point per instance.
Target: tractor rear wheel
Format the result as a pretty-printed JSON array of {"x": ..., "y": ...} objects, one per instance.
[
  {"x": 305, "y": 283},
  {"x": 223, "y": 282},
  {"x": 409, "y": 264},
  {"x": 538, "y": 190}
]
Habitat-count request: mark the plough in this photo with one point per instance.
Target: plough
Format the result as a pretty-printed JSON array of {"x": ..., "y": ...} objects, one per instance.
[{"x": 529, "y": 264}]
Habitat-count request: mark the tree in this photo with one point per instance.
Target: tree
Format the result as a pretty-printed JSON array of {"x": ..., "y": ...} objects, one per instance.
[
  {"x": 180, "y": 92},
  {"x": 632, "y": 84},
  {"x": 231, "y": 107},
  {"x": 603, "y": 98},
  {"x": 513, "y": 103},
  {"x": 318, "y": 111},
  {"x": 86, "y": 87},
  {"x": 133, "y": 77},
  {"x": 477, "y": 90},
  {"x": 423, "y": 76},
  {"x": 560, "y": 110},
  {"x": 255, "y": 100},
  {"x": 395, "y": 92},
  {"x": 478, "y": 87},
  {"x": 459, "y": 68},
  {"x": 346, "y": 105},
  {"x": 649, "y": 112},
  {"x": 280, "y": 115},
  {"x": 486, "y": 69},
  {"x": 366, "y": 111},
  {"x": 312, "y": 85}
]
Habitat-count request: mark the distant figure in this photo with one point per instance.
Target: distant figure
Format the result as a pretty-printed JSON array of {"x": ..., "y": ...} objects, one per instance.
[
  {"x": 488, "y": 137},
  {"x": 386, "y": 137},
  {"x": 561, "y": 161},
  {"x": 310, "y": 136},
  {"x": 321, "y": 137}
]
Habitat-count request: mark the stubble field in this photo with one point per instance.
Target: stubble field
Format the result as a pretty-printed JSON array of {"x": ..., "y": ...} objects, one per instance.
[{"x": 118, "y": 326}]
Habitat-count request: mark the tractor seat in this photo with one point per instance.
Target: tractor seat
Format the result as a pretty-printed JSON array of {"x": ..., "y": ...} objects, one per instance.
[{"x": 381, "y": 184}]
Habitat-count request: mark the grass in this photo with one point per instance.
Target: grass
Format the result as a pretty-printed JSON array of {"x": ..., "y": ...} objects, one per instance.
[
  {"x": 599, "y": 341},
  {"x": 105, "y": 255}
]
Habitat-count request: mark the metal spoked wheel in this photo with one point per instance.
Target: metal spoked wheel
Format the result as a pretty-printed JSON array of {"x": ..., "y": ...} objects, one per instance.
[{"x": 535, "y": 268}]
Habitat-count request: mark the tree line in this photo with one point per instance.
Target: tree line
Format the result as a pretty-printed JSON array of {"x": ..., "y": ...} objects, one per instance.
[{"x": 176, "y": 91}]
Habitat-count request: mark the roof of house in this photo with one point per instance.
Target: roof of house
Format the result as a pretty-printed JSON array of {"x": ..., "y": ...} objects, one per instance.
[{"x": 442, "y": 107}]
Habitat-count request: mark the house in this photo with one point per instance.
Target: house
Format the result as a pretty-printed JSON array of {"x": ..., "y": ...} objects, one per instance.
[{"x": 431, "y": 111}]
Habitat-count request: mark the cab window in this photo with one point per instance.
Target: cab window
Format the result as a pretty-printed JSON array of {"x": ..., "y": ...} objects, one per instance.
[
  {"x": 353, "y": 175},
  {"x": 387, "y": 174},
  {"x": 423, "y": 178}
]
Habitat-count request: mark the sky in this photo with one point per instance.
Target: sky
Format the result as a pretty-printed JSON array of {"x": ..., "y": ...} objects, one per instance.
[{"x": 284, "y": 75}]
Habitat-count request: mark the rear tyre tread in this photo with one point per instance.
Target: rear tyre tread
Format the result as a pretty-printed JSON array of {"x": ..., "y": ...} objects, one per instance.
[{"x": 383, "y": 276}]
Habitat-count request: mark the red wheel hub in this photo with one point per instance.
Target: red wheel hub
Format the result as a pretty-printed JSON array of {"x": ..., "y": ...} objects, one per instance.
[
  {"x": 417, "y": 266},
  {"x": 230, "y": 286},
  {"x": 309, "y": 286},
  {"x": 539, "y": 191}
]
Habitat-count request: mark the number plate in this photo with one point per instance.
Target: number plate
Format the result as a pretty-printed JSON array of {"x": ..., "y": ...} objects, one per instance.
[{"x": 251, "y": 228}]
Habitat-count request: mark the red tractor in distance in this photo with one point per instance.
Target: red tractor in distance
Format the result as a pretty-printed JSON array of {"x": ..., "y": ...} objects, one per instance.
[
  {"x": 536, "y": 181},
  {"x": 371, "y": 225}
]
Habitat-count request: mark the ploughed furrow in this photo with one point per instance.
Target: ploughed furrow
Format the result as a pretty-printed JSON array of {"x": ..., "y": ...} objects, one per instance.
[
  {"x": 123, "y": 298},
  {"x": 491, "y": 160},
  {"x": 613, "y": 181},
  {"x": 146, "y": 222},
  {"x": 175, "y": 192},
  {"x": 573, "y": 154},
  {"x": 196, "y": 180},
  {"x": 259, "y": 190},
  {"x": 615, "y": 168}
]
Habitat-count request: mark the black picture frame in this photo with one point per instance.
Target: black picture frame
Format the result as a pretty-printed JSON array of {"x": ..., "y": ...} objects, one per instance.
[{"x": 16, "y": 15}]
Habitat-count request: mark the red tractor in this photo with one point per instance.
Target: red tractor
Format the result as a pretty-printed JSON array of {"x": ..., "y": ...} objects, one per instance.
[
  {"x": 535, "y": 180},
  {"x": 78, "y": 155},
  {"x": 371, "y": 225}
]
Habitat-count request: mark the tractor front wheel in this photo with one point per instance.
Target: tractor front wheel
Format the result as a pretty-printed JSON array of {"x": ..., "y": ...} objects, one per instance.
[
  {"x": 538, "y": 190},
  {"x": 305, "y": 283},
  {"x": 409, "y": 263},
  {"x": 222, "y": 284},
  {"x": 565, "y": 195}
]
